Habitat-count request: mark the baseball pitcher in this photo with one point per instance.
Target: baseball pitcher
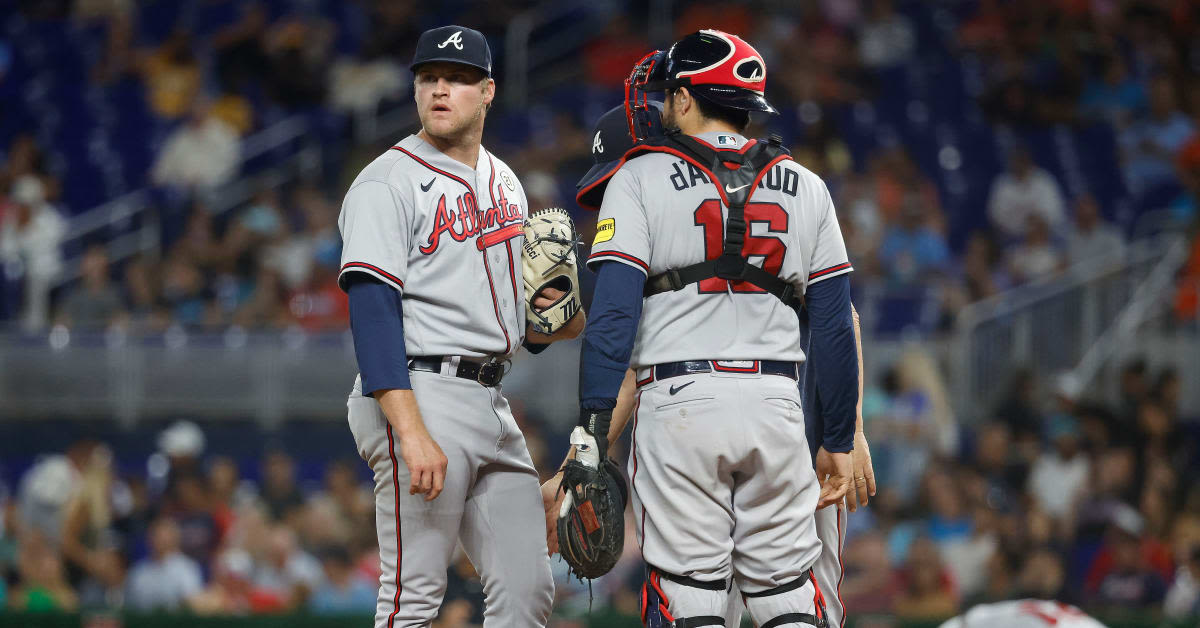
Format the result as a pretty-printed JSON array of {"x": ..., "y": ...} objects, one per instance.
[{"x": 433, "y": 232}]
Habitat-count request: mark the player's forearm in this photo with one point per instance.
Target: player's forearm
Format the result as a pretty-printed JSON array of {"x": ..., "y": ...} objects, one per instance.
[
  {"x": 623, "y": 411},
  {"x": 835, "y": 360},
  {"x": 858, "y": 421},
  {"x": 608, "y": 340},
  {"x": 400, "y": 407}
]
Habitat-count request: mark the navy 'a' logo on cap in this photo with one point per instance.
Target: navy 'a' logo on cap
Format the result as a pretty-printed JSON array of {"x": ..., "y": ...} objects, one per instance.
[
  {"x": 453, "y": 44},
  {"x": 455, "y": 40}
]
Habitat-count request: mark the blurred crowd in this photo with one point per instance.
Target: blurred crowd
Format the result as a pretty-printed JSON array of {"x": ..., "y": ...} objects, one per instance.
[
  {"x": 187, "y": 533},
  {"x": 1051, "y": 497},
  {"x": 228, "y": 69}
]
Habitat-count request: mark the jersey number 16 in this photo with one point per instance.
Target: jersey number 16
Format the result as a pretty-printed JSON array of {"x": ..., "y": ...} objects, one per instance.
[{"x": 770, "y": 248}]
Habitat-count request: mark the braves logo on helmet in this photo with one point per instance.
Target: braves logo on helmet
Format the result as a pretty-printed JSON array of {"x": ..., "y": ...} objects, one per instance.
[
  {"x": 713, "y": 64},
  {"x": 735, "y": 54}
]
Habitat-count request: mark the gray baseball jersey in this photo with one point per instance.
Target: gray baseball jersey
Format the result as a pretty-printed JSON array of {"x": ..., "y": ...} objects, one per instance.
[
  {"x": 1024, "y": 614},
  {"x": 792, "y": 232},
  {"x": 722, "y": 480},
  {"x": 449, "y": 237}
]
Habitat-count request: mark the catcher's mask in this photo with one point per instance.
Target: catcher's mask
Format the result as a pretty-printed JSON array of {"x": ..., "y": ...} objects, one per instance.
[{"x": 592, "y": 534}]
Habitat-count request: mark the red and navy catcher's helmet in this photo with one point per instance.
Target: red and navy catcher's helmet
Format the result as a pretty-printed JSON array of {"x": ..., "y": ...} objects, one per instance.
[{"x": 714, "y": 65}]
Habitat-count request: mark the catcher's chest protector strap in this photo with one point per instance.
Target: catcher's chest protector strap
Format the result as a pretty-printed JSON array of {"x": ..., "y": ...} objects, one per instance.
[{"x": 736, "y": 175}]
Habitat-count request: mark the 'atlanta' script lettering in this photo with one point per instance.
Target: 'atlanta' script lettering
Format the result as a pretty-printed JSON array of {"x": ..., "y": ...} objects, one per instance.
[{"x": 469, "y": 221}]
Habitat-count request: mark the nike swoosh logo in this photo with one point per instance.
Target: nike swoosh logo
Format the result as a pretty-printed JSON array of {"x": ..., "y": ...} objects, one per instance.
[
  {"x": 425, "y": 188},
  {"x": 675, "y": 389},
  {"x": 734, "y": 190}
]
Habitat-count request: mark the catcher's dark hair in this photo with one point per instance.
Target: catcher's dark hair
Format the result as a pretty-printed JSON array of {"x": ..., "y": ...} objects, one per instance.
[{"x": 739, "y": 119}]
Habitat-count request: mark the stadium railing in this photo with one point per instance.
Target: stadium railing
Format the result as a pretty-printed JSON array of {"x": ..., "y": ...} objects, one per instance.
[{"x": 1063, "y": 329}]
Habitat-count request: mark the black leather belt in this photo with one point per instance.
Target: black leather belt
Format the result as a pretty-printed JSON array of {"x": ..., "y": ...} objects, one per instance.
[
  {"x": 486, "y": 373},
  {"x": 692, "y": 367}
]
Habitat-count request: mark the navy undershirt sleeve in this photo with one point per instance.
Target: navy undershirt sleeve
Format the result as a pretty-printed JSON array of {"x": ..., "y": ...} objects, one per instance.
[
  {"x": 377, "y": 323},
  {"x": 608, "y": 339},
  {"x": 834, "y": 360}
]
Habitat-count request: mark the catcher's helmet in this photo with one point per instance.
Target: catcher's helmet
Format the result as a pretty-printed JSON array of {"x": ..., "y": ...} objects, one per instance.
[{"x": 715, "y": 65}]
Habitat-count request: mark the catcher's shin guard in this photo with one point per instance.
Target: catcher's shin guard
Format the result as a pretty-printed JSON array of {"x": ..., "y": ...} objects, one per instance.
[
  {"x": 656, "y": 612},
  {"x": 778, "y": 606}
]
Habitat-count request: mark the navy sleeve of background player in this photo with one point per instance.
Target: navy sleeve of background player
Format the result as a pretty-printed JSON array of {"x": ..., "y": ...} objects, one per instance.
[
  {"x": 834, "y": 360},
  {"x": 377, "y": 323},
  {"x": 608, "y": 338}
]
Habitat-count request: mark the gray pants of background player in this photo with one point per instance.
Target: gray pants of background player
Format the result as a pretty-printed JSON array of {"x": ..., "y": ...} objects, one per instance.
[
  {"x": 831, "y": 529},
  {"x": 491, "y": 503},
  {"x": 723, "y": 485}
]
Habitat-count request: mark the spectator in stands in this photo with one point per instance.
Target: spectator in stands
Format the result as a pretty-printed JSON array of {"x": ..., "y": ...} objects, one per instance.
[
  {"x": 141, "y": 291},
  {"x": 224, "y": 485},
  {"x": 342, "y": 592},
  {"x": 967, "y": 557},
  {"x": 185, "y": 294},
  {"x": 346, "y": 495},
  {"x": 1043, "y": 576},
  {"x": 912, "y": 414},
  {"x": 1060, "y": 475},
  {"x": 94, "y": 303},
  {"x": 172, "y": 76},
  {"x": 997, "y": 461},
  {"x": 1183, "y": 598},
  {"x": 870, "y": 584},
  {"x": 1150, "y": 145},
  {"x": 189, "y": 503},
  {"x": 203, "y": 153},
  {"x": 89, "y": 517},
  {"x": 238, "y": 48},
  {"x": 29, "y": 242},
  {"x": 50, "y": 485},
  {"x": 298, "y": 56},
  {"x": 1126, "y": 581},
  {"x": 1024, "y": 191},
  {"x": 928, "y": 592},
  {"x": 104, "y": 587},
  {"x": 279, "y": 491},
  {"x": 1114, "y": 96},
  {"x": 886, "y": 39},
  {"x": 1037, "y": 256},
  {"x": 358, "y": 85},
  {"x": 42, "y": 584},
  {"x": 1092, "y": 237},
  {"x": 167, "y": 579},
  {"x": 287, "y": 571},
  {"x": 912, "y": 250},
  {"x": 230, "y": 591}
]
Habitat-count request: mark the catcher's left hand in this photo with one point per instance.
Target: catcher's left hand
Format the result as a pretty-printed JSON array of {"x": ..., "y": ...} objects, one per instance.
[
  {"x": 591, "y": 516},
  {"x": 549, "y": 265}
]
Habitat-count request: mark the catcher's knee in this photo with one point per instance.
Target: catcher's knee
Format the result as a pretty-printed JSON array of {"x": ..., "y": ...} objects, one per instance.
[
  {"x": 776, "y": 607},
  {"x": 656, "y": 612}
]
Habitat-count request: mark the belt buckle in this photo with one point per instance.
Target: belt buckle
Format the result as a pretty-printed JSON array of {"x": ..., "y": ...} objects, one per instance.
[{"x": 495, "y": 368}]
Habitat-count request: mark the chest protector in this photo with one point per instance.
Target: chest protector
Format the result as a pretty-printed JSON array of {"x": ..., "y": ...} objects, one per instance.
[{"x": 736, "y": 175}]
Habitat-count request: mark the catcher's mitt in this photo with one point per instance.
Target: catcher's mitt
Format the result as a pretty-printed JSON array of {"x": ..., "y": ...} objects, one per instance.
[
  {"x": 550, "y": 260},
  {"x": 591, "y": 520}
]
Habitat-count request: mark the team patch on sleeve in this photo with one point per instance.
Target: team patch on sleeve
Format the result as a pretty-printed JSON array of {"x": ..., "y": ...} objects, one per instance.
[{"x": 605, "y": 229}]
